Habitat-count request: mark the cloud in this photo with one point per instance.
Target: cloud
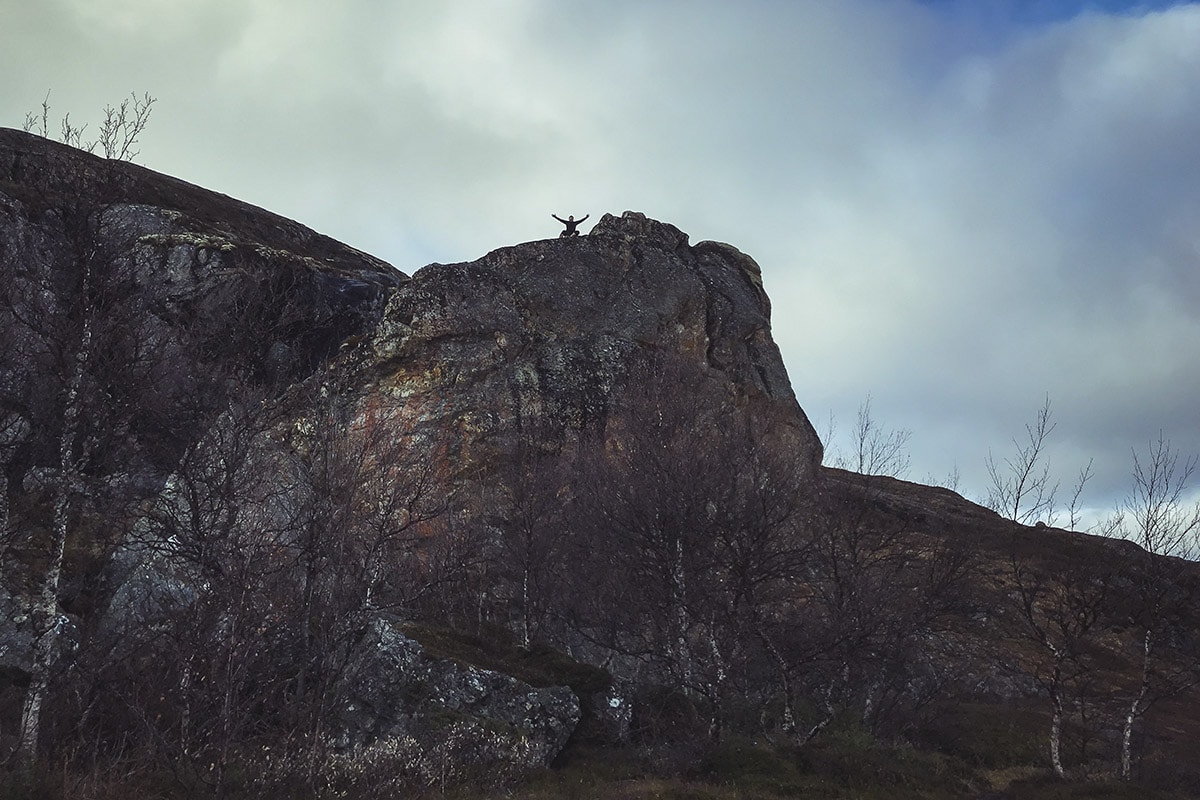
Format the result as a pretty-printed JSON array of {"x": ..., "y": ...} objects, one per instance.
[
  {"x": 958, "y": 208},
  {"x": 1032, "y": 232}
]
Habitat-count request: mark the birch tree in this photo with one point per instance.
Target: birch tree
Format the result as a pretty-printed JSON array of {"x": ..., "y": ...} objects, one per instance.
[
  {"x": 1158, "y": 516},
  {"x": 872, "y": 595},
  {"x": 359, "y": 495},
  {"x": 531, "y": 550},
  {"x": 649, "y": 500},
  {"x": 690, "y": 536},
  {"x": 1021, "y": 486},
  {"x": 873, "y": 449},
  {"x": 1059, "y": 621},
  {"x": 76, "y": 322},
  {"x": 120, "y": 130}
]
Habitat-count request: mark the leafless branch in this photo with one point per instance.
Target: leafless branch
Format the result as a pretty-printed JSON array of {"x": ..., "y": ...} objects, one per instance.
[{"x": 1021, "y": 486}]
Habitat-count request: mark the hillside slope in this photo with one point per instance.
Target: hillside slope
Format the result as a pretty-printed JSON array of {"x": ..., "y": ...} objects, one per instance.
[{"x": 279, "y": 518}]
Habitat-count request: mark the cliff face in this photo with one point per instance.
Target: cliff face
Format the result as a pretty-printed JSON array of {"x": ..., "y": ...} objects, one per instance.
[
  {"x": 187, "y": 294},
  {"x": 536, "y": 342},
  {"x": 538, "y": 336},
  {"x": 218, "y": 400},
  {"x": 192, "y": 257}
]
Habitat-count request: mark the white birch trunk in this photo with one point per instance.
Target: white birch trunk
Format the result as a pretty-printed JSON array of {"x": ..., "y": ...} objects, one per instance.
[
  {"x": 830, "y": 713},
  {"x": 1056, "y": 737},
  {"x": 525, "y": 608},
  {"x": 12, "y": 431},
  {"x": 1056, "y": 702},
  {"x": 44, "y": 614},
  {"x": 3, "y": 514},
  {"x": 185, "y": 719},
  {"x": 785, "y": 677},
  {"x": 717, "y": 688},
  {"x": 1136, "y": 709},
  {"x": 682, "y": 656}
]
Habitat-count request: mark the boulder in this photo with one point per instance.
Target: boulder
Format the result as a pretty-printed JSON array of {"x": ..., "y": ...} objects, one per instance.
[
  {"x": 17, "y": 636},
  {"x": 394, "y": 692}
]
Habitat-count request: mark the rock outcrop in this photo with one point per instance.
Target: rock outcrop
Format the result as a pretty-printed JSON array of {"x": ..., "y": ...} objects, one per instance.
[
  {"x": 204, "y": 284},
  {"x": 534, "y": 345},
  {"x": 537, "y": 336},
  {"x": 244, "y": 469},
  {"x": 191, "y": 296},
  {"x": 394, "y": 689},
  {"x": 538, "y": 339}
]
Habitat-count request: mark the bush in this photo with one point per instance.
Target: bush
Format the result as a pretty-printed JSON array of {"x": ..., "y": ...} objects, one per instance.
[
  {"x": 1047, "y": 786},
  {"x": 752, "y": 766},
  {"x": 990, "y": 736}
]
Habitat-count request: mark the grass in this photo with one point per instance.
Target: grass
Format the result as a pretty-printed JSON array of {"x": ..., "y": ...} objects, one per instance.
[
  {"x": 847, "y": 764},
  {"x": 990, "y": 736}
]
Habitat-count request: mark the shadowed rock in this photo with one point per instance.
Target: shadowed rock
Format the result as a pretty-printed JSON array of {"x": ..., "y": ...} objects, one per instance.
[
  {"x": 393, "y": 688},
  {"x": 537, "y": 340}
]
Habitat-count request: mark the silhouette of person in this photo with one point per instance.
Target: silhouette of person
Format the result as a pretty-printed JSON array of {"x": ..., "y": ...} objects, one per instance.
[{"x": 571, "y": 223}]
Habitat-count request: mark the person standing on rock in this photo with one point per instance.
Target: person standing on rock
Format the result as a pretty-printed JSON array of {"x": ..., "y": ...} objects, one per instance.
[{"x": 571, "y": 224}]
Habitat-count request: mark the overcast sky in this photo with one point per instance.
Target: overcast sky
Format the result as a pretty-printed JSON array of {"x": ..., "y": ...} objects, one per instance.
[{"x": 960, "y": 208}]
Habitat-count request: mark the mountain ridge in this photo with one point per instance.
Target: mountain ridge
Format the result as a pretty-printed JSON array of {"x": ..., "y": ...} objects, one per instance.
[{"x": 354, "y": 497}]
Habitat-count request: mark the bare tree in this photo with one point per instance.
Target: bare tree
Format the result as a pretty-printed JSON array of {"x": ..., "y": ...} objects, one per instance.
[
  {"x": 1157, "y": 513},
  {"x": 283, "y": 531},
  {"x": 720, "y": 563},
  {"x": 646, "y": 492},
  {"x": 97, "y": 384},
  {"x": 684, "y": 529},
  {"x": 1062, "y": 618},
  {"x": 76, "y": 329},
  {"x": 873, "y": 596},
  {"x": 1021, "y": 485},
  {"x": 14, "y": 429},
  {"x": 166, "y": 661},
  {"x": 765, "y": 556},
  {"x": 1074, "y": 518},
  {"x": 532, "y": 544},
  {"x": 221, "y": 527},
  {"x": 120, "y": 130},
  {"x": 951, "y": 480},
  {"x": 359, "y": 493},
  {"x": 79, "y": 323},
  {"x": 874, "y": 449},
  {"x": 879, "y": 451},
  {"x": 1157, "y": 516}
]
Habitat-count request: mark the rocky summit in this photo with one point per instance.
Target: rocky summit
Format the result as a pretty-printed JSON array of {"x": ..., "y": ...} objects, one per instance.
[
  {"x": 535, "y": 342},
  {"x": 279, "y": 519}
]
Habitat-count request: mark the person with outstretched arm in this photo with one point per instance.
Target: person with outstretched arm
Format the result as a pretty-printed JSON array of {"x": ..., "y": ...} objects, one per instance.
[{"x": 571, "y": 224}]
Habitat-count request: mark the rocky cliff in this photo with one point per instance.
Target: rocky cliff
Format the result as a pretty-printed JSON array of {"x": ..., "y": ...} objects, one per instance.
[
  {"x": 218, "y": 399},
  {"x": 188, "y": 294},
  {"x": 535, "y": 342},
  {"x": 538, "y": 336},
  {"x": 271, "y": 508}
]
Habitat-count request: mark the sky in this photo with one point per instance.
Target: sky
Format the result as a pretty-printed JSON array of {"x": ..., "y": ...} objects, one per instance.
[{"x": 961, "y": 209}]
